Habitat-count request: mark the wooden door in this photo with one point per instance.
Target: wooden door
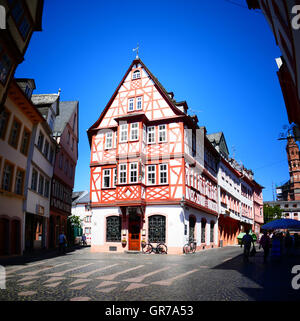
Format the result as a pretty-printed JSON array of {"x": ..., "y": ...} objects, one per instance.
[{"x": 134, "y": 236}]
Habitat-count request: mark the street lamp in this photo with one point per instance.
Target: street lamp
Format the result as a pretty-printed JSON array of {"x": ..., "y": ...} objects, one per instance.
[{"x": 182, "y": 202}]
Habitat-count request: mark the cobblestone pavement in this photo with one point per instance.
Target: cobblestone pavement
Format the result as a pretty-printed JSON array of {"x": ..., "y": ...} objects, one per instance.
[{"x": 216, "y": 274}]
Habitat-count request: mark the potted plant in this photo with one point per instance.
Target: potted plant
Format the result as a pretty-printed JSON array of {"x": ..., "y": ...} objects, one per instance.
[{"x": 124, "y": 242}]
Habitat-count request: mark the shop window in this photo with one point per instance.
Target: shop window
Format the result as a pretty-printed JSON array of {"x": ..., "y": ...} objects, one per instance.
[
  {"x": 157, "y": 229},
  {"x": 113, "y": 229}
]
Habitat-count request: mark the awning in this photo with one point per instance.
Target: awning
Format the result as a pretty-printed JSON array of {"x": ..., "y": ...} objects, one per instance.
[{"x": 282, "y": 223}]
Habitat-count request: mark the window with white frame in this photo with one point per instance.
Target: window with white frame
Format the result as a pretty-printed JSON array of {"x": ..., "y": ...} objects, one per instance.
[
  {"x": 134, "y": 131},
  {"x": 162, "y": 133},
  {"x": 106, "y": 178},
  {"x": 123, "y": 133},
  {"x": 139, "y": 101},
  {"x": 130, "y": 104},
  {"x": 109, "y": 140},
  {"x": 123, "y": 173},
  {"x": 144, "y": 133},
  {"x": 151, "y": 135},
  {"x": 151, "y": 174},
  {"x": 114, "y": 177},
  {"x": 163, "y": 173},
  {"x": 133, "y": 172}
]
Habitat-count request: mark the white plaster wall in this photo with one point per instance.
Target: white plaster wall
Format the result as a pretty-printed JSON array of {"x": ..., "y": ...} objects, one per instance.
[
  {"x": 199, "y": 216},
  {"x": 98, "y": 223},
  {"x": 79, "y": 210},
  {"x": 174, "y": 223},
  {"x": 34, "y": 199}
]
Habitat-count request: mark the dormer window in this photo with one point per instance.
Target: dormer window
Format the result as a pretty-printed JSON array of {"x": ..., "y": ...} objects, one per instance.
[{"x": 136, "y": 75}]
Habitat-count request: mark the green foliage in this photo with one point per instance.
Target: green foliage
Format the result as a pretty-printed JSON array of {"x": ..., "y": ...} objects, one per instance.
[
  {"x": 75, "y": 221},
  {"x": 272, "y": 213}
]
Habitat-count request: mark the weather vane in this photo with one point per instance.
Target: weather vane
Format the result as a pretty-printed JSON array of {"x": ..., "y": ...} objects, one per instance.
[{"x": 137, "y": 51}]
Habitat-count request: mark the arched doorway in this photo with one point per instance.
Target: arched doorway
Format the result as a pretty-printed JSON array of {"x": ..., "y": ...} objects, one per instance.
[
  {"x": 192, "y": 224},
  {"x": 203, "y": 230}
]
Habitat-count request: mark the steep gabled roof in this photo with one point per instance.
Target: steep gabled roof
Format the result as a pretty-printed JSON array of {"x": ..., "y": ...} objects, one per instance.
[
  {"x": 66, "y": 110},
  {"x": 171, "y": 102},
  {"x": 216, "y": 139},
  {"x": 77, "y": 196}
]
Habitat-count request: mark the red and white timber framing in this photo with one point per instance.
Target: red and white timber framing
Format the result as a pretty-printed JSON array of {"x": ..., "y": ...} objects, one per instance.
[{"x": 142, "y": 166}]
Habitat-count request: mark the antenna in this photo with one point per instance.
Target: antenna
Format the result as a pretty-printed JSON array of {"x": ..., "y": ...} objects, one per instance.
[{"x": 273, "y": 191}]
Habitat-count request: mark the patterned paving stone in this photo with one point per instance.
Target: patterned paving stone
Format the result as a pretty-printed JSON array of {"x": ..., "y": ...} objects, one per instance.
[
  {"x": 82, "y": 298},
  {"x": 27, "y": 293}
]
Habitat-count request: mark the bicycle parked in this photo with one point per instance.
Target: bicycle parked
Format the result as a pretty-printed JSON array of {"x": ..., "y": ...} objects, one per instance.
[
  {"x": 161, "y": 248},
  {"x": 190, "y": 247}
]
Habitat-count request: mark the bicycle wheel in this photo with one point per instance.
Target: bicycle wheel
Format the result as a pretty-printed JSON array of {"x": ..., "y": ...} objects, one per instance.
[
  {"x": 147, "y": 249},
  {"x": 162, "y": 248},
  {"x": 186, "y": 249}
]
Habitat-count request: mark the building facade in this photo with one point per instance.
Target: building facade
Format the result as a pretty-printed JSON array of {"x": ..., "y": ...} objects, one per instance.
[
  {"x": 154, "y": 171},
  {"x": 40, "y": 168},
  {"x": 18, "y": 121},
  {"x": 281, "y": 16},
  {"x": 22, "y": 19},
  {"x": 81, "y": 207},
  {"x": 65, "y": 134}
]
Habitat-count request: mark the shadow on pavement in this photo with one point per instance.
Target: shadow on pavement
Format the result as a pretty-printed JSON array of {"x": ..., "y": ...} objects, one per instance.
[
  {"x": 269, "y": 281},
  {"x": 36, "y": 256}
]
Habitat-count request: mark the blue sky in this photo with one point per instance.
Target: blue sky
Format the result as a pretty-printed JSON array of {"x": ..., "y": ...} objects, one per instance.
[{"x": 216, "y": 55}]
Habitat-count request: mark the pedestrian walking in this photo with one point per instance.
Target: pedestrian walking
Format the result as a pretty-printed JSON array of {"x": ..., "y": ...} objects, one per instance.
[
  {"x": 247, "y": 240},
  {"x": 62, "y": 243},
  {"x": 83, "y": 239},
  {"x": 265, "y": 243}
]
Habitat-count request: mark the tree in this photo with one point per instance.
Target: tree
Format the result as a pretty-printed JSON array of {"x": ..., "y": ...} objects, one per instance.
[
  {"x": 74, "y": 226},
  {"x": 272, "y": 213},
  {"x": 75, "y": 221}
]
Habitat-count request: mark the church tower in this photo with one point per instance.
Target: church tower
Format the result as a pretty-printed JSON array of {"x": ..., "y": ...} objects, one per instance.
[{"x": 292, "y": 150}]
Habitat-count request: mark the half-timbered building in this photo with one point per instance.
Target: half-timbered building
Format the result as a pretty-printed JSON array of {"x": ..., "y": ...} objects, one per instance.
[{"x": 153, "y": 170}]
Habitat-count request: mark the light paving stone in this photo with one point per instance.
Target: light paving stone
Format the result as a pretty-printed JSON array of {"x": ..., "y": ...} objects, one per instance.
[
  {"x": 81, "y": 298},
  {"x": 27, "y": 293}
]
